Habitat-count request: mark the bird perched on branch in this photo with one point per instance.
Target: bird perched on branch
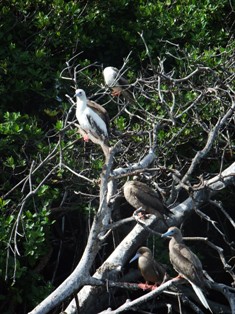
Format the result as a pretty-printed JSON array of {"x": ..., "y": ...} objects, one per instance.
[
  {"x": 117, "y": 83},
  {"x": 139, "y": 194},
  {"x": 186, "y": 263},
  {"x": 150, "y": 269},
  {"x": 93, "y": 119}
]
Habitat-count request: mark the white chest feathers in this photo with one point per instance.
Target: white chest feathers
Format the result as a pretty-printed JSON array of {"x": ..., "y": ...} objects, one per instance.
[{"x": 89, "y": 120}]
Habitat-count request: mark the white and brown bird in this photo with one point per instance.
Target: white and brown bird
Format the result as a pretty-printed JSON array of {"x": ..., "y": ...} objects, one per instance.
[
  {"x": 186, "y": 263},
  {"x": 93, "y": 118},
  {"x": 140, "y": 195},
  {"x": 119, "y": 85}
]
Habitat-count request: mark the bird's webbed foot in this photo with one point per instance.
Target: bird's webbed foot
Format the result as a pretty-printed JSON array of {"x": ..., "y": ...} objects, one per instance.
[
  {"x": 146, "y": 286},
  {"x": 141, "y": 213},
  {"x": 116, "y": 93},
  {"x": 86, "y": 138}
]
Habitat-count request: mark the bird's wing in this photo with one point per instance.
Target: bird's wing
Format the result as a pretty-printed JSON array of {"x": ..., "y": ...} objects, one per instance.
[
  {"x": 98, "y": 132},
  {"x": 101, "y": 111},
  {"x": 128, "y": 95},
  {"x": 131, "y": 195},
  {"x": 121, "y": 83},
  {"x": 159, "y": 269},
  {"x": 127, "y": 90},
  {"x": 183, "y": 260},
  {"x": 150, "y": 201},
  {"x": 149, "y": 198},
  {"x": 187, "y": 253},
  {"x": 141, "y": 187}
]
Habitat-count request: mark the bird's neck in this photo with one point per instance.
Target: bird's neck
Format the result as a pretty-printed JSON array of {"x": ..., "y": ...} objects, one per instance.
[
  {"x": 144, "y": 261},
  {"x": 81, "y": 105},
  {"x": 177, "y": 239}
]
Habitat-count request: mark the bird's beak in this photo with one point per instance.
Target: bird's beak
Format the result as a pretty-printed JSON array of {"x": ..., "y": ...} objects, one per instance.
[
  {"x": 137, "y": 255},
  {"x": 166, "y": 234}
]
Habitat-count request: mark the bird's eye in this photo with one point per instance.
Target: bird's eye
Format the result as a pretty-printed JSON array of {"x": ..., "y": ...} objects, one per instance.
[{"x": 79, "y": 93}]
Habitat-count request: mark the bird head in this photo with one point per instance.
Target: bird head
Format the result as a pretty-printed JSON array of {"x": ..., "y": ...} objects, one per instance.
[
  {"x": 141, "y": 251},
  {"x": 80, "y": 94},
  {"x": 170, "y": 232},
  {"x": 137, "y": 255}
]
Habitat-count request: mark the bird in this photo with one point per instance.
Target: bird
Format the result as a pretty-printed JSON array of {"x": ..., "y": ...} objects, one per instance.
[
  {"x": 139, "y": 194},
  {"x": 118, "y": 84},
  {"x": 186, "y": 263},
  {"x": 92, "y": 117},
  {"x": 150, "y": 269}
]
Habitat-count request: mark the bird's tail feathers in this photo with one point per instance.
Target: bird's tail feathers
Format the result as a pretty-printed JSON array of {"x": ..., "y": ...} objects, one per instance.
[
  {"x": 128, "y": 95},
  {"x": 201, "y": 296}
]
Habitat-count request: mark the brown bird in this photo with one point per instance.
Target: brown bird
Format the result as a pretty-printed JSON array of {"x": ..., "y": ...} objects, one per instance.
[
  {"x": 151, "y": 270},
  {"x": 186, "y": 263},
  {"x": 139, "y": 194}
]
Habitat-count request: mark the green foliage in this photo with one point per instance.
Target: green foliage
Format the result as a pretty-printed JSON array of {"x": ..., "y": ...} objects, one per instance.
[
  {"x": 35, "y": 225},
  {"x": 120, "y": 123},
  {"x": 41, "y": 30},
  {"x": 27, "y": 285},
  {"x": 37, "y": 38},
  {"x": 25, "y": 294}
]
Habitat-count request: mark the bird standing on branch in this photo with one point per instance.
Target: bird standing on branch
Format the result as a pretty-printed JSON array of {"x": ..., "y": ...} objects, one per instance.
[
  {"x": 93, "y": 119},
  {"x": 186, "y": 263},
  {"x": 139, "y": 194},
  {"x": 150, "y": 269},
  {"x": 117, "y": 83}
]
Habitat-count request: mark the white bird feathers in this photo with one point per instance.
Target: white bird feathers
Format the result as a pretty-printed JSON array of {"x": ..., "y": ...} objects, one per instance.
[
  {"x": 110, "y": 76},
  {"x": 200, "y": 295},
  {"x": 93, "y": 118},
  {"x": 118, "y": 84}
]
